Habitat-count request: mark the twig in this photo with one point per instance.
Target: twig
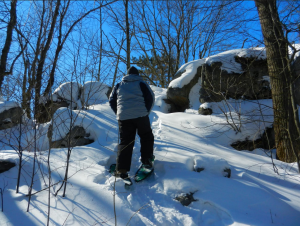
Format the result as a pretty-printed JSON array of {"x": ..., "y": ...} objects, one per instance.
[
  {"x": 1, "y": 194},
  {"x": 147, "y": 204},
  {"x": 271, "y": 216},
  {"x": 114, "y": 201},
  {"x": 44, "y": 188},
  {"x": 68, "y": 216}
]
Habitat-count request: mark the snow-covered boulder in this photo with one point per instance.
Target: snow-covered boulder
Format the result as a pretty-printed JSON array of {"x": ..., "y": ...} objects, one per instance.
[
  {"x": 69, "y": 91},
  {"x": 66, "y": 95},
  {"x": 205, "y": 109},
  {"x": 250, "y": 82},
  {"x": 179, "y": 89},
  {"x": 76, "y": 137},
  {"x": 70, "y": 124},
  {"x": 240, "y": 73},
  {"x": 186, "y": 199},
  {"x": 212, "y": 164},
  {"x": 10, "y": 114},
  {"x": 94, "y": 93},
  {"x": 265, "y": 141}
]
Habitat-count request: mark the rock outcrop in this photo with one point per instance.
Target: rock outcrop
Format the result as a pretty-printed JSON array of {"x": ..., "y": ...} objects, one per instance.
[
  {"x": 266, "y": 141},
  {"x": 10, "y": 117},
  {"x": 186, "y": 199},
  {"x": 65, "y": 95},
  {"x": 74, "y": 96},
  {"x": 236, "y": 74},
  {"x": 178, "y": 98},
  {"x": 76, "y": 137},
  {"x": 49, "y": 108},
  {"x": 251, "y": 84},
  {"x": 205, "y": 111}
]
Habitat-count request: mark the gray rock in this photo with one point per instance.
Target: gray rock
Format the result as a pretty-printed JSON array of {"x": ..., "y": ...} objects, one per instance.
[
  {"x": 218, "y": 84},
  {"x": 6, "y": 165},
  {"x": 77, "y": 137},
  {"x": 48, "y": 109},
  {"x": 205, "y": 111},
  {"x": 186, "y": 199},
  {"x": 265, "y": 141},
  {"x": 226, "y": 171},
  {"x": 199, "y": 169},
  {"x": 10, "y": 118},
  {"x": 179, "y": 97}
]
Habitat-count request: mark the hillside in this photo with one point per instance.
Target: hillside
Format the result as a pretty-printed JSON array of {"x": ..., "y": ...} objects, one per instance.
[{"x": 253, "y": 195}]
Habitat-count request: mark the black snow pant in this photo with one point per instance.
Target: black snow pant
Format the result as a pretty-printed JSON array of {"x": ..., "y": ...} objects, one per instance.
[{"x": 127, "y": 130}]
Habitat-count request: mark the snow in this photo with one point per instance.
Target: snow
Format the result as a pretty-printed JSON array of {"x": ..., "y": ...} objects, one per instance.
[
  {"x": 188, "y": 71},
  {"x": 254, "y": 195},
  {"x": 94, "y": 93},
  {"x": 194, "y": 96},
  {"x": 211, "y": 163},
  {"x": 291, "y": 51},
  {"x": 160, "y": 95},
  {"x": 68, "y": 91},
  {"x": 261, "y": 191},
  {"x": 227, "y": 59},
  {"x": 229, "y": 64}
]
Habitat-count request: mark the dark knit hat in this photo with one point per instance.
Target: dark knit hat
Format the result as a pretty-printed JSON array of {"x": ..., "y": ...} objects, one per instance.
[{"x": 133, "y": 70}]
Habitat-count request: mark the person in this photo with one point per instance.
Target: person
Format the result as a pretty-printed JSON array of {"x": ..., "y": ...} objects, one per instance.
[{"x": 132, "y": 101}]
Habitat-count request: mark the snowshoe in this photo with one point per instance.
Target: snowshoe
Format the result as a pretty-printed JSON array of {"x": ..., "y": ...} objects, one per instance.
[
  {"x": 123, "y": 176},
  {"x": 144, "y": 171}
]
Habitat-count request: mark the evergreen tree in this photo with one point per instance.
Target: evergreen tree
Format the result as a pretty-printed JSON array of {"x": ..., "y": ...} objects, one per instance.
[{"x": 157, "y": 70}]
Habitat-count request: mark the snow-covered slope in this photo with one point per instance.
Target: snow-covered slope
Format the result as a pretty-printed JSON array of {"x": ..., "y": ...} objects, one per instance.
[{"x": 254, "y": 195}]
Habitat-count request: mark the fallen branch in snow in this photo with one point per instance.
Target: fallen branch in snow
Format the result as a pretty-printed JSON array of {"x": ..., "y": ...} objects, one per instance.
[
  {"x": 66, "y": 181},
  {"x": 271, "y": 216},
  {"x": 68, "y": 216},
  {"x": 142, "y": 207},
  {"x": 45, "y": 188}
]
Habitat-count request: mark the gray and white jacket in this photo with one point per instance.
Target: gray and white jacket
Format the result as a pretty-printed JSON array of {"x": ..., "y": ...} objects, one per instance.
[{"x": 131, "y": 98}]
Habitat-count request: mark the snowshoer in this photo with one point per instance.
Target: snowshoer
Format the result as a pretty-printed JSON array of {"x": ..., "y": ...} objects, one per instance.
[{"x": 132, "y": 101}]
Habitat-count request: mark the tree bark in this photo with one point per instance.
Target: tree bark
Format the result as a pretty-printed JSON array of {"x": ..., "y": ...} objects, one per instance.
[
  {"x": 127, "y": 35},
  {"x": 9, "y": 34},
  {"x": 285, "y": 120},
  {"x": 39, "y": 73}
]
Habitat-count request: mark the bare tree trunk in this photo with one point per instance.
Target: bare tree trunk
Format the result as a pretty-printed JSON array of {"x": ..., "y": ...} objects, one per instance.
[
  {"x": 61, "y": 41},
  {"x": 286, "y": 134},
  {"x": 39, "y": 73},
  {"x": 117, "y": 64},
  {"x": 101, "y": 46},
  {"x": 127, "y": 35},
  {"x": 9, "y": 34},
  {"x": 33, "y": 169},
  {"x": 20, "y": 153}
]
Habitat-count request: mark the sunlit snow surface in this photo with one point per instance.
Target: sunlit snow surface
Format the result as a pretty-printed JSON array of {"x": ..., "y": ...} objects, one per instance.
[{"x": 254, "y": 195}]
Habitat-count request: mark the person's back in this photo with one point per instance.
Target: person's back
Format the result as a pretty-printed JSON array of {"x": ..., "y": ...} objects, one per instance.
[{"x": 132, "y": 100}]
